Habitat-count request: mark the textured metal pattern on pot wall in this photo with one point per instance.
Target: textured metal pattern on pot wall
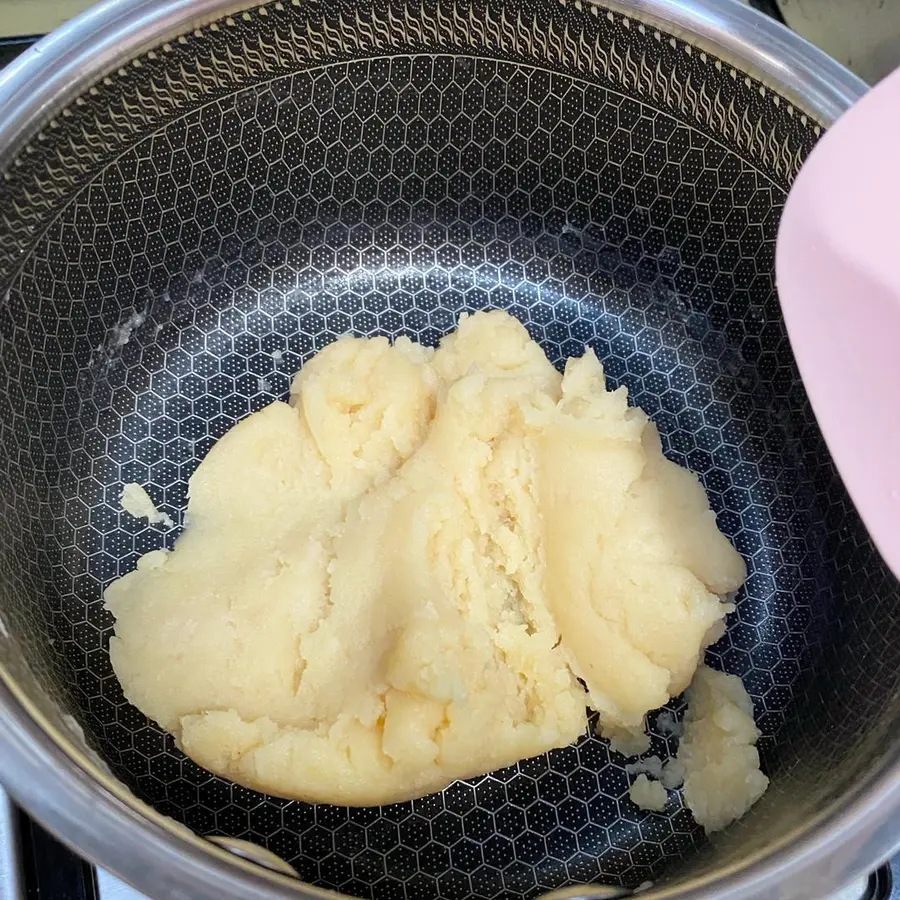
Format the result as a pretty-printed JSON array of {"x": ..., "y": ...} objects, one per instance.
[{"x": 178, "y": 242}]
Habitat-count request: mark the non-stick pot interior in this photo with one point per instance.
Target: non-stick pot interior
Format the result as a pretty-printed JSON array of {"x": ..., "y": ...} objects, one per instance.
[{"x": 191, "y": 230}]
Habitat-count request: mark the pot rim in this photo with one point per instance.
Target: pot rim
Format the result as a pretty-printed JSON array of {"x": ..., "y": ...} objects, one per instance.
[{"x": 97, "y": 815}]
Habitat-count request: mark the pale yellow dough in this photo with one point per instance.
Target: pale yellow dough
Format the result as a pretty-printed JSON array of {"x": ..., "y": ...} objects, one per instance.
[
  {"x": 138, "y": 503},
  {"x": 399, "y": 578},
  {"x": 717, "y": 761},
  {"x": 717, "y": 755},
  {"x": 648, "y": 794}
]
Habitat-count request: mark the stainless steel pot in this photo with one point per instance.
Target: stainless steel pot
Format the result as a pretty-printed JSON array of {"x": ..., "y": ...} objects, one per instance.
[{"x": 193, "y": 186}]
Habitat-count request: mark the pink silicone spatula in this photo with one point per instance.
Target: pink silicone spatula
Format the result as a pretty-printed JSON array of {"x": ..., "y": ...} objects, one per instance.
[{"x": 838, "y": 273}]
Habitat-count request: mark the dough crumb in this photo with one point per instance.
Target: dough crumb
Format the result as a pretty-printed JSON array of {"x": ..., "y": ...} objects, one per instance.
[
  {"x": 652, "y": 766},
  {"x": 647, "y": 794},
  {"x": 136, "y": 502},
  {"x": 717, "y": 759},
  {"x": 424, "y": 567},
  {"x": 667, "y": 725},
  {"x": 672, "y": 774},
  {"x": 720, "y": 761},
  {"x": 120, "y": 335}
]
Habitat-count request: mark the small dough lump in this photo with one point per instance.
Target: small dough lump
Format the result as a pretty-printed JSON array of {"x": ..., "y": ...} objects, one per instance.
[
  {"x": 717, "y": 759},
  {"x": 717, "y": 753},
  {"x": 138, "y": 503},
  {"x": 648, "y": 794},
  {"x": 423, "y": 568}
]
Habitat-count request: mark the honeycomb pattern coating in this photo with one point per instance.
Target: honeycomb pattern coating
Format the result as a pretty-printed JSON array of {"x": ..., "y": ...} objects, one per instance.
[
  {"x": 190, "y": 278},
  {"x": 434, "y": 186}
]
